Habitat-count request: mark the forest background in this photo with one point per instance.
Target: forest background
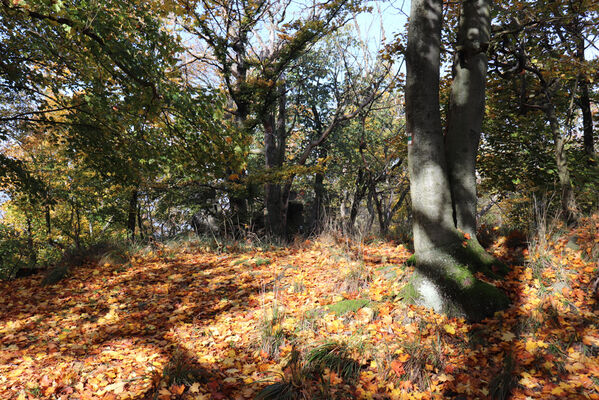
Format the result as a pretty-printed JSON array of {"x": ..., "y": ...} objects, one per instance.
[
  {"x": 266, "y": 119},
  {"x": 136, "y": 134}
]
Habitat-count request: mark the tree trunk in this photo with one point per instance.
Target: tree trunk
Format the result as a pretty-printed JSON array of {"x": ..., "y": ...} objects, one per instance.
[
  {"x": 31, "y": 245},
  {"x": 444, "y": 277},
  {"x": 48, "y": 222},
  {"x": 132, "y": 214},
  {"x": 585, "y": 103},
  {"x": 568, "y": 201},
  {"x": 140, "y": 222},
  {"x": 466, "y": 111},
  {"x": 77, "y": 228},
  {"x": 276, "y": 196},
  {"x": 319, "y": 202},
  {"x": 370, "y": 208},
  {"x": 359, "y": 193}
]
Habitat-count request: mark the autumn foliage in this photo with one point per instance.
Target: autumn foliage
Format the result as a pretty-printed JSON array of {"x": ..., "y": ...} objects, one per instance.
[{"x": 191, "y": 323}]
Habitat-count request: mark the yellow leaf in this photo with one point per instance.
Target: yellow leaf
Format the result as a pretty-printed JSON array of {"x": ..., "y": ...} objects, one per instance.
[
  {"x": 557, "y": 391},
  {"x": 334, "y": 326},
  {"x": 531, "y": 346},
  {"x": 508, "y": 336},
  {"x": 527, "y": 380},
  {"x": 449, "y": 329}
]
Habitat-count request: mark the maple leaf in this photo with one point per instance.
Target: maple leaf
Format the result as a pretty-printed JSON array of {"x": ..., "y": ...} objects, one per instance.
[
  {"x": 177, "y": 389},
  {"x": 397, "y": 367},
  {"x": 195, "y": 388},
  {"x": 531, "y": 345},
  {"x": 445, "y": 378}
]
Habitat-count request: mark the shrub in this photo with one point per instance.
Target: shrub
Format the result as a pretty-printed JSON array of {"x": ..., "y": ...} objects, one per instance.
[{"x": 13, "y": 252}]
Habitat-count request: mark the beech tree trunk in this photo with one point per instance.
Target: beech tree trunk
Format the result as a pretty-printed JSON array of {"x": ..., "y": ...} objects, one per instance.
[
  {"x": 444, "y": 277},
  {"x": 466, "y": 112}
]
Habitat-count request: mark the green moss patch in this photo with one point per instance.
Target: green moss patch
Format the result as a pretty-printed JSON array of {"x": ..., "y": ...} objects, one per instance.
[{"x": 345, "y": 306}]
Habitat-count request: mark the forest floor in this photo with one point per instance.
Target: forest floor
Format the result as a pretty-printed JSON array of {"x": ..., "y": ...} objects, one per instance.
[{"x": 324, "y": 318}]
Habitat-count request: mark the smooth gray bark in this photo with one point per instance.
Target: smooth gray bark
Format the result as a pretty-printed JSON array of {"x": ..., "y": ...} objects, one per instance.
[
  {"x": 429, "y": 185},
  {"x": 444, "y": 277},
  {"x": 467, "y": 109}
]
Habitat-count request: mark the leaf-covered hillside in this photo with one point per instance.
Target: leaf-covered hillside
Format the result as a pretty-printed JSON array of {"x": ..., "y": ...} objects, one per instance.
[{"x": 320, "y": 319}]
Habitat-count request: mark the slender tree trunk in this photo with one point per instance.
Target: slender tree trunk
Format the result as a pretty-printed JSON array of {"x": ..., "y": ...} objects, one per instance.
[
  {"x": 31, "y": 244},
  {"x": 585, "y": 102},
  {"x": 444, "y": 277},
  {"x": 276, "y": 195},
  {"x": 48, "y": 222},
  {"x": 140, "y": 222},
  {"x": 370, "y": 208},
  {"x": 379, "y": 209},
  {"x": 132, "y": 214},
  {"x": 568, "y": 200},
  {"x": 359, "y": 193},
  {"x": 77, "y": 228},
  {"x": 150, "y": 219},
  {"x": 319, "y": 201}
]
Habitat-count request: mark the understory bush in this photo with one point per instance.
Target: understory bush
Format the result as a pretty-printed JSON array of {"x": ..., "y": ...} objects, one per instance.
[{"x": 14, "y": 253}]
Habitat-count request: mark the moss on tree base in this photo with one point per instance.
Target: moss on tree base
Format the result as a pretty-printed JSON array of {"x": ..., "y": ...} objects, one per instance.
[
  {"x": 445, "y": 282},
  {"x": 477, "y": 258}
]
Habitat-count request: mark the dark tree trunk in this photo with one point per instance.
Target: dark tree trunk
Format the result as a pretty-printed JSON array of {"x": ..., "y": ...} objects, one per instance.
[
  {"x": 276, "y": 194},
  {"x": 31, "y": 245},
  {"x": 132, "y": 214},
  {"x": 48, "y": 221},
  {"x": 585, "y": 102},
  {"x": 140, "y": 222},
  {"x": 444, "y": 277},
  {"x": 77, "y": 228}
]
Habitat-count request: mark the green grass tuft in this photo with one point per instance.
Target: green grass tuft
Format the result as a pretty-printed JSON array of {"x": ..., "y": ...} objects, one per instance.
[{"x": 335, "y": 356}]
